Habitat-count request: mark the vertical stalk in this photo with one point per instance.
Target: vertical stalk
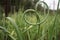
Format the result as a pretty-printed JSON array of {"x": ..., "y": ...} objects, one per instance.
[{"x": 56, "y": 18}]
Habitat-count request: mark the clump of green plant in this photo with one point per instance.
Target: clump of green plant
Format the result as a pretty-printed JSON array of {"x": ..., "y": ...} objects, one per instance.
[{"x": 19, "y": 27}]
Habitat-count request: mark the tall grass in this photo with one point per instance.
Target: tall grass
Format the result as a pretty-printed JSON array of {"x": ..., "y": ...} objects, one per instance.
[
  {"x": 31, "y": 25},
  {"x": 47, "y": 29}
]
